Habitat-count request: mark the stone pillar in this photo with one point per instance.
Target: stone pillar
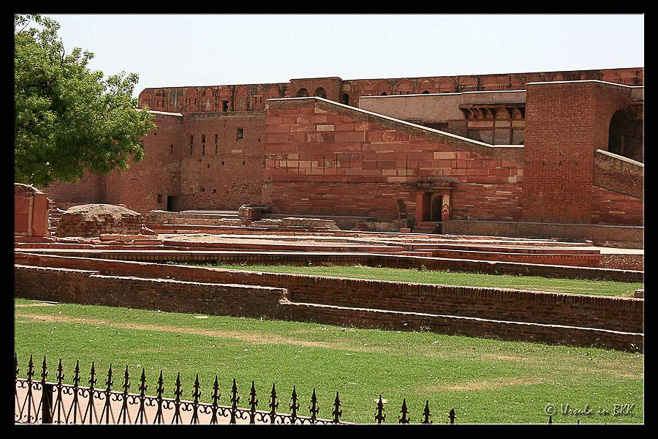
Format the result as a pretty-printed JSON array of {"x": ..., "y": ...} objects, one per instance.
[{"x": 445, "y": 208}]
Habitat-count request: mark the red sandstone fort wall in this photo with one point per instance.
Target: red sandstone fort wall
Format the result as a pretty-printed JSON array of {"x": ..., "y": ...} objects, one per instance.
[
  {"x": 146, "y": 184},
  {"x": 142, "y": 187},
  {"x": 245, "y": 97},
  {"x": 323, "y": 157},
  {"x": 197, "y": 161},
  {"x": 90, "y": 189},
  {"x": 221, "y": 161},
  {"x": 326, "y": 159}
]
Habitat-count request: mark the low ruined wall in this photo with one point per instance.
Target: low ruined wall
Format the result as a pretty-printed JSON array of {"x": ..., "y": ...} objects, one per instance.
[
  {"x": 619, "y": 174},
  {"x": 90, "y": 287},
  {"x": 372, "y": 260},
  {"x": 616, "y": 236},
  {"x": 465, "y": 326},
  {"x": 613, "y": 313}
]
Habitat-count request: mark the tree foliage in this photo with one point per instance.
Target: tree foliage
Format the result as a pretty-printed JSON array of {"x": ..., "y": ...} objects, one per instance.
[{"x": 68, "y": 118}]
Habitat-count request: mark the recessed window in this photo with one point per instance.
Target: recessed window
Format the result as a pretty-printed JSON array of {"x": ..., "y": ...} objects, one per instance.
[
  {"x": 171, "y": 149},
  {"x": 240, "y": 134}
]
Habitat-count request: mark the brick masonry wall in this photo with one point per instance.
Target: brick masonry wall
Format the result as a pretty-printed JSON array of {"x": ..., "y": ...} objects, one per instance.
[
  {"x": 610, "y": 207},
  {"x": 146, "y": 184},
  {"x": 331, "y": 87},
  {"x": 618, "y": 174},
  {"x": 142, "y": 187},
  {"x": 624, "y": 314},
  {"x": 88, "y": 287},
  {"x": 225, "y": 171},
  {"x": 472, "y": 327},
  {"x": 323, "y": 157},
  {"x": 565, "y": 124},
  {"x": 243, "y": 96},
  {"x": 90, "y": 189},
  {"x": 94, "y": 220},
  {"x": 378, "y": 260}
]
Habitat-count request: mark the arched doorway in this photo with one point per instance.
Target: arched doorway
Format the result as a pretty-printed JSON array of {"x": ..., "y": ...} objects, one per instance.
[
  {"x": 432, "y": 206},
  {"x": 320, "y": 92},
  {"x": 625, "y": 135},
  {"x": 302, "y": 93}
]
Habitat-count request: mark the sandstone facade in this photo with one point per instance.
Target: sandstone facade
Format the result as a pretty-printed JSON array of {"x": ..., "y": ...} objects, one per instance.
[{"x": 557, "y": 147}]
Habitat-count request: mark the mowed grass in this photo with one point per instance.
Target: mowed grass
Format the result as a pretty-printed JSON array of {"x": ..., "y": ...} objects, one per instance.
[
  {"x": 532, "y": 283},
  {"x": 485, "y": 381}
]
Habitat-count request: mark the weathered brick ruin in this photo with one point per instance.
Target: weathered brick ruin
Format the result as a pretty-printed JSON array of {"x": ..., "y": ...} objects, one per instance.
[{"x": 96, "y": 219}]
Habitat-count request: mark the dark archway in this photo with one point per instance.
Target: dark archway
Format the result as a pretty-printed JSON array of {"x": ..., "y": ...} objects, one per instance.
[
  {"x": 302, "y": 93},
  {"x": 320, "y": 92},
  {"x": 435, "y": 210},
  {"x": 345, "y": 99},
  {"x": 625, "y": 135}
]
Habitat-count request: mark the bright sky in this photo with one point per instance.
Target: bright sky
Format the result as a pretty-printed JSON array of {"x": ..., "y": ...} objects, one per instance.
[{"x": 170, "y": 50}]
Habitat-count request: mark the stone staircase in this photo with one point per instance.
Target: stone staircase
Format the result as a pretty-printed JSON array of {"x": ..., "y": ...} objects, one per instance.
[{"x": 427, "y": 227}]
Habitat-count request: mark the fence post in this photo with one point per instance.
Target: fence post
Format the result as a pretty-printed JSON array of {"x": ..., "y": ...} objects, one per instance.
[
  {"x": 47, "y": 403},
  {"x": 46, "y": 395},
  {"x": 379, "y": 415}
]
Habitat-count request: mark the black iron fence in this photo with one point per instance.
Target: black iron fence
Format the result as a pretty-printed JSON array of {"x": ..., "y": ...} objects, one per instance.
[{"x": 47, "y": 402}]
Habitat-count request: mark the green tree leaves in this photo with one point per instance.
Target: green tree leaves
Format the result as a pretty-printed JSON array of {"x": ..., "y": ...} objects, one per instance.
[{"x": 68, "y": 118}]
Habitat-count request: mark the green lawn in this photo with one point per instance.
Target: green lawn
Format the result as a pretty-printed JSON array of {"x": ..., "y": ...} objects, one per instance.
[
  {"x": 533, "y": 283},
  {"x": 485, "y": 381}
]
